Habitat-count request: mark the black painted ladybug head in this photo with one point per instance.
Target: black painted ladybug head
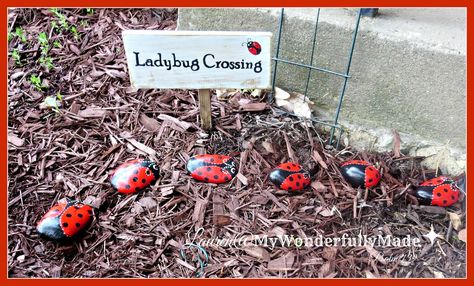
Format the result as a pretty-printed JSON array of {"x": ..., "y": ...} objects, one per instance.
[
  {"x": 153, "y": 167},
  {"x": 231, "y": 167}
]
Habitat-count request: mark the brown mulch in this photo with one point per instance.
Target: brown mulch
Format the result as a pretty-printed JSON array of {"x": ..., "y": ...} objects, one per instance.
[{"x": 102, "y": 122}]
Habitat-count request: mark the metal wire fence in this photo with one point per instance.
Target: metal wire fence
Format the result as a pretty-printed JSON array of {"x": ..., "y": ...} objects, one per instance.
[{"x": 333, "y": 124}]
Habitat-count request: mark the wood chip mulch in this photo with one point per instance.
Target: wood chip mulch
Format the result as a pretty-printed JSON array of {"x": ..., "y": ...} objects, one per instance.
[{"x": 102, "y": 122}]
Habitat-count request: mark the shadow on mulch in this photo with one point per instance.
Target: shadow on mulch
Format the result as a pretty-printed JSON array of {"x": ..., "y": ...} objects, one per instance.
[{"x": 102, "y": 123}]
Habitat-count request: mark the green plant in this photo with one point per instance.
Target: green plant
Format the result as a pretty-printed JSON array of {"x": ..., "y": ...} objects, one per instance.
[
  {"x": 74, "y": 32},
  {"x": 53, "y": 102},
  {"x": 10, "y": 36},
  {"x": 57, "y": 44},
  {"x": 84, "y": 23},
  {"x": 90, "y": 11},
  {"x": 37, "y": 82},
  {"x": 47, "y": 62},
  {"x": 16, "y": 57},
  {"x": 63, "y": 24},
  {"x": 20, "y": 34},
  {"x": 44, "y": 59}
]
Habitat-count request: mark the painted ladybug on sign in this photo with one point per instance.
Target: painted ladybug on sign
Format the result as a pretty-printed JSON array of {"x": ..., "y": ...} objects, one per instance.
[
  {"x": 135, "y": 175},
  {"x": 440, "y": 191},
  {"x": 290, "y": 177},
  {"x": 360, "y": 174},
  {"x": 66, "y": 219},
  {"x": 217, "y": 169},
  {"x": 253, "y": 47}
]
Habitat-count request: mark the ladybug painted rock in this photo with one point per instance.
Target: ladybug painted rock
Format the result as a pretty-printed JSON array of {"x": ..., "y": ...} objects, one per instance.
[
  {"x": 360, "y": 173},
  {"x": 440, "y": 191},
  {"x": 254, "y": 47},
  {"x": 134, "y": 175},
  {"x": 65, "y": 220},
  {"x": 290, "y": 177},
  {"x": 217, "y": 169}
]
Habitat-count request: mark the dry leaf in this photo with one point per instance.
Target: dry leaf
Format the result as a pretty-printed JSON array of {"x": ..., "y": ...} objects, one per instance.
[
  {"x": 455, "y": 220},
  {"x": 149, "y": 123},
  {"x": 281, "y": 94},
  {"x": 258, "y": 252},
  {"x": 147, "y": 202}
]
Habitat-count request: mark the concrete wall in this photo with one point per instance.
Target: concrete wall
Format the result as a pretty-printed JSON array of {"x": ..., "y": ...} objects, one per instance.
[{"x": 408, "y": 70}]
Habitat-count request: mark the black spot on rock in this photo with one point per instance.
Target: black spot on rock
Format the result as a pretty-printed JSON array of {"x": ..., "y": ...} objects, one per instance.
[
  {"x": 143, "y": 181},
  {"x": 78, "y": 224},
  {"x": 291, "y": 179},
  {"x": 209, "y": 169},
  {"x": 135, "y": 179},
  {"x": 438, "y": 194},
  {"x": 127, "y": 187},
  {"x": 65, "y": 224},
  {"x": 69, "y": 215},
  {"x": 79, "y": 215},
  {"x": 216, "y": 177}
]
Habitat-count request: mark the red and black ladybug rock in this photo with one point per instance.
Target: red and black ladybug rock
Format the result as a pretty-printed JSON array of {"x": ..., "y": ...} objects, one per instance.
[
  {"x": 217, "y": 169},
  {"x": 65, "y": 220},
  {"x": 360, "y": 173},
  {"x": 440, "y": 191},
  {"x": 290, "y": 177},
  {"x": 254, "y": 47},
  {"x": 134, "y": 175}
]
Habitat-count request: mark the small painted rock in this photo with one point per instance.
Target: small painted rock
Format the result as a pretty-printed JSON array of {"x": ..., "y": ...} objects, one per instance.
[
  {"x": 290, "y": 177},
  {"x": 217, "y": 169},
  {"x": 65, "y": 220},
  {"x": 360, "y": 173},
  {"x": 440, "y": 191},
  {"x": 134, "y": 175}
]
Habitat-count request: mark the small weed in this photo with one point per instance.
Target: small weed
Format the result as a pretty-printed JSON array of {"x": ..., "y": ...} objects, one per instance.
[
  {"x": 52, "y": 102},
  {"x": 74, "y": 32},
  {"x": 89, "y": 11},
  {"x": 63, "y": 24},
  {"x": 57, "y": 44},
  {"x": 84, "y": 23},
  {"x": 10, "y": 36},
  {"x": 20, "y": 34},
  {"x": 47, "y": 62},
  {"x": 16, "y": 57},
  {"x": 37, "y": 82}
]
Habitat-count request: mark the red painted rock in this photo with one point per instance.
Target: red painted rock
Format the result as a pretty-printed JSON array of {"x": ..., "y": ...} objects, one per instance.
[
  {"x": 67, "y": 219},
  {"x": 135, "y": 175},
  {"x": 217, "y": 169},
  {"x": 440, "y": 191},
  {"x": 290, "y": 177},
  {"x": 360, "y": 173}
]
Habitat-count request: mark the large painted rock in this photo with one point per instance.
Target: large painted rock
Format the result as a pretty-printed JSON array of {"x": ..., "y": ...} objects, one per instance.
[
  {"x": 217, "y": 169},
  {"x": 360, "y": 173},
  {"x": 67, "y": 219},
  {"x": 134, "y": 175},
  {"x": 440, "y": 191},
  {"x": 290, "y": 177}
]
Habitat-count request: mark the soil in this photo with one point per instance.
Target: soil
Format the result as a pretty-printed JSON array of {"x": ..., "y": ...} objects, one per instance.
[{"x": 100, "y": 122}]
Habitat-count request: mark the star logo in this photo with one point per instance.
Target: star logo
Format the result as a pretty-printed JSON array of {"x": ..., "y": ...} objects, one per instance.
[{"x": 432, "y": 235}]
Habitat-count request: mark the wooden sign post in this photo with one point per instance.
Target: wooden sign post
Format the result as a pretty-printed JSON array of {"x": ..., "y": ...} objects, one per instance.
[{"x": 198, "y": 60}]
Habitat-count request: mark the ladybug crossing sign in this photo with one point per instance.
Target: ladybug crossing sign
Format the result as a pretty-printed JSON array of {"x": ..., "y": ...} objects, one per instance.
[{"x": 198, "y": 60}]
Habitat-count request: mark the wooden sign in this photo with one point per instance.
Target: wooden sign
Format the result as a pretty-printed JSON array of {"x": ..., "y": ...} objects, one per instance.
[{"x": 198, "y": 60}]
